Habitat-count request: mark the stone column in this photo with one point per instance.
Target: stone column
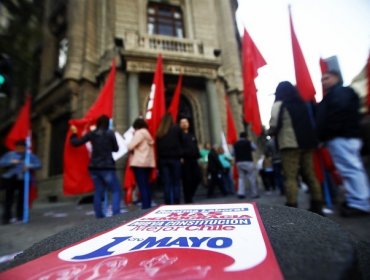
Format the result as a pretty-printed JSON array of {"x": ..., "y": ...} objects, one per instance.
[
  {"x": 214, "y": 112},
  {"x": 133, "y": 96}
]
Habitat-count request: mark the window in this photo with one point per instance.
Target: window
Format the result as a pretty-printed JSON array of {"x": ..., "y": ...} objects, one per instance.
[{"x": 165, "y": 20}]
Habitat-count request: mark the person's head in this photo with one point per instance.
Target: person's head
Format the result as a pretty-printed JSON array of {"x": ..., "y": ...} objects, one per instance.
[
  {"x": 286, "y": 92},
  {"x": 243, "y": 134},
  {"x": 102, "y": 122},
  {"x": 207, "y": 146},
  {"x": 184, "y": 124},
  {"x": 139, "y": 123},
  {"x": 330, "y": 79},
  {"x": 165, "y": 124},
  {"x": 20, "y": 146},
  {"x": 220, "y": 150}
]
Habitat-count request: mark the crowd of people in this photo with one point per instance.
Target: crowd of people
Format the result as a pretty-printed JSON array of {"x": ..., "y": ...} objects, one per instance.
[{"x": 173, "y": 159}]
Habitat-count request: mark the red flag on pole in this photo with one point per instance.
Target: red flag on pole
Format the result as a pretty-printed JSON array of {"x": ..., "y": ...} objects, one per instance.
[
  {"x": 174, "y": 107},
  {"x": 155, "y": 111},
  {"x": 21, "y": 127},
  {"x": 302, "y": 75},
  {"x": 252, "y": 60},
  {"x": 76, "y": 178},
  {"x": 231, "y": 133},
  {"x": 156, "y": 105}
]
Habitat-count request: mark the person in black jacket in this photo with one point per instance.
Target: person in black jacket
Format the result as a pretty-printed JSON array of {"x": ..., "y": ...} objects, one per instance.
[
  {"x": 102, "y": 165},
  {"x": 191, "y": 173},
  {"x": 338, "y": 121},
  {"x": 215, "y": 173},
  {"x": 247, "y": 171},
  {"x": 169, "y": 141}
]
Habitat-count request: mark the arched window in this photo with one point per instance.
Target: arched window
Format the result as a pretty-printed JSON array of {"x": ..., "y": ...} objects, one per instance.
[{"x": 165, "y": 20}]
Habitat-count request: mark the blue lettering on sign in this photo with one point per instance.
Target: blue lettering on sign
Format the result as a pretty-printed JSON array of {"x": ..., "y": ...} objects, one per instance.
[
  {"x": 153, "y": 242},
  {"x": 103, "y": 251},
  {"x": 215, "y": 242}
]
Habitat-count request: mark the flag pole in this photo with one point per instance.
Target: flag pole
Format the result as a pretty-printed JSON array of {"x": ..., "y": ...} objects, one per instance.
[{"x": 27, "y": 179}]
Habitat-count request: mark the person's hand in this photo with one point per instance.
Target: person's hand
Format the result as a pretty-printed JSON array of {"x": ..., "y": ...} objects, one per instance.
[
  {"x": 15, "y": 161},
  {"x": 73, "y": 129}
]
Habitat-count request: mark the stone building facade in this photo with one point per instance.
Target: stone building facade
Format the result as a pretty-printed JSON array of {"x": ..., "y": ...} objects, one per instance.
[{"x": 197, "y": 38}]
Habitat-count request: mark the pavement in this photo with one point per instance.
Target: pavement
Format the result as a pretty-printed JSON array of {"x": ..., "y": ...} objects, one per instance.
[{"x": 49, "y": 219}]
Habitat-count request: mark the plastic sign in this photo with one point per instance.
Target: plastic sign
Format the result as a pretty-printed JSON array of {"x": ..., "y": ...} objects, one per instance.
[{"x": 212, "y": 241}]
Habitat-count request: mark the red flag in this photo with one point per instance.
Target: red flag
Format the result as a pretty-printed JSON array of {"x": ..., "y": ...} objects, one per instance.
[
  {"x": 21, "y": 127},
  {"x": 302, "y": 75},
  {"x": 324, "y": 67},
  {"x": 174, "y": 107},
  {"x": 156, "y": 106},
  {"x": 368, "y": 83},
  {"x": 231, "y": 133},
  {"x": 252, "y": 60},
  {"x": 76, "y": 178}
]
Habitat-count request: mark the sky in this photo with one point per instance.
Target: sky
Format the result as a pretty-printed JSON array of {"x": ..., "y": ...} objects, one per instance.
[{"x": 324, "y": 28}]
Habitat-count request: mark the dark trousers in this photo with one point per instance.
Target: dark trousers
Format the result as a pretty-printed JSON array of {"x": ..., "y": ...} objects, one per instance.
[
  {"x": 142, "y": 175},
  {"x": 14, "y": 190},
  {"x": 215, "y": 179},
  {"x": 170, "y": 173},
  {"x": 268, "y": 179},
  {"x": 191, "y": 178}
]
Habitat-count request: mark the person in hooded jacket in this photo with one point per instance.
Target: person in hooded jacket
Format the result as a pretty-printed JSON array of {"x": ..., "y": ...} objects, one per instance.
[
  {"x": 294, "y": 128},
  {"x": 142, "y": 159}
]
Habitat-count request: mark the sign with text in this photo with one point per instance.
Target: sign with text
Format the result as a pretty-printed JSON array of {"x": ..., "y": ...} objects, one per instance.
[{"x": 210, "y": 241}]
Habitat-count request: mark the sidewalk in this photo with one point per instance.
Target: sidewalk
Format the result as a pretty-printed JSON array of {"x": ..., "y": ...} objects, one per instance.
[{"x": 47, "y": 219}]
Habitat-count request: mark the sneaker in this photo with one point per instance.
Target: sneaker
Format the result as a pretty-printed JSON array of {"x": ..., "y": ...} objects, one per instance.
[
  {"x": 241, "y": 196},
  {"x": 347, "y": 211}
]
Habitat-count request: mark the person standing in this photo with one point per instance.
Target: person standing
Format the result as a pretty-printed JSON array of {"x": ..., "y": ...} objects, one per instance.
[
  {"x": 13, "y": 179},
  {"x": 102, "y": 165},
  {"x": 247, "y": 171},
  {"x": 191, "y": 173},
  {"x": 338, "y": 121},
  {"x": 142, "y": 159},
  {"x": 169, "y": 139},
  {"x": 215, "y": 173},
  {"x": 226, "y": 161},
  {"x": 297, "y": 138},
  {"x": 203, "y": 161}
]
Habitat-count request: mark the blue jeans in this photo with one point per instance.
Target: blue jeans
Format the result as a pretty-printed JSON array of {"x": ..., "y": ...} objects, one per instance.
[
  {"x": 228, "y": 181},
  {"x": 170, "y": 173},
  {"x": 346, "y": 156},
  {"x": 106, "y": 179},
  {"x": 142, "y": 175}
]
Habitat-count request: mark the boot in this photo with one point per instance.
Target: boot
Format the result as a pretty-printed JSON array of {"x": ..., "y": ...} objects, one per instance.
[{"x": 316, "y": 207}]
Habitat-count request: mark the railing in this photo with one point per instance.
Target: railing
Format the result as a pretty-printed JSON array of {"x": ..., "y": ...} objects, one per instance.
[
  {"x": 178, "y": 46},
  {"x": 171, "y": 44}
]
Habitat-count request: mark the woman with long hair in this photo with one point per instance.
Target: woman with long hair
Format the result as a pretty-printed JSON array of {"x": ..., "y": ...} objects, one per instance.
[
  {"x": 293, "y": 125},
  {"x": 169, "y": 140},
  {"x": 142, "y": 159}
]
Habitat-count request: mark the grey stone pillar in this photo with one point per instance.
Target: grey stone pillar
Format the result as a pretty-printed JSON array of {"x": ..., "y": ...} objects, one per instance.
[
  {"x": 214, "y": 112},
  {"x": 133, "y": 96}
]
